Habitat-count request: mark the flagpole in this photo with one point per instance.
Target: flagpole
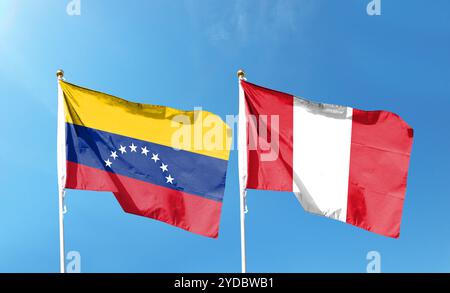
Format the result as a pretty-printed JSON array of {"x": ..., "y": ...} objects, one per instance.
[
  {"x": 61, "y": 165},
  {"x": 242, "y": 154}
]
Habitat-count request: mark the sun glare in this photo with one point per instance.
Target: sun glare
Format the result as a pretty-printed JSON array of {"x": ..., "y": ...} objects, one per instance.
[{"x": 7, "y": 12}]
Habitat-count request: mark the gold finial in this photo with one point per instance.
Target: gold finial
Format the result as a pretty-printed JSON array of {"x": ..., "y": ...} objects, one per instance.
[
  {"x": 241, "y": 74},
  {"x": 60, "y": 73}
]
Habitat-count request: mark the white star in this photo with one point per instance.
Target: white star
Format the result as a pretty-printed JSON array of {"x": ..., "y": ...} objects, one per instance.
[
  {"x": 108, "y": 163},
  {"x": 114, "y": 155},
  {"x": 164, "y": 167},
  {"x": 133, "y": 147},
  {"x": 169, "y": 179},
  {"x": 122, "y": 149},
  {"x": 155, "y": 157},
  {"x": 144, "y": 150}
]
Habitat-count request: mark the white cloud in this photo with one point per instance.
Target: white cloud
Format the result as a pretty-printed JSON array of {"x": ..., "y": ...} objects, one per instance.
[
  {"x": 246, "y": 20},
  {"x": 218, "y": 32}
]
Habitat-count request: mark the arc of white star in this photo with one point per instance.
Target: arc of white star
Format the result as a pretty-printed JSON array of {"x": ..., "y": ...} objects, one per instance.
[
  {"x": 114, "y": 155},
  {"x": 144, "y": 151},
  {"x": 169, "y": 179},
  {"x": 122, "y": 149},
  {"x": 164, "y": 167},
  {"x": 155, "y": 157},
  {"x": 133, "y": 147},
  {"x": 108, "y": 163}
]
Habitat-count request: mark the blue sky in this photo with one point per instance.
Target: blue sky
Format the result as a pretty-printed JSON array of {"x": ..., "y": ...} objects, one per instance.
[{"x": 185, "y": 54}]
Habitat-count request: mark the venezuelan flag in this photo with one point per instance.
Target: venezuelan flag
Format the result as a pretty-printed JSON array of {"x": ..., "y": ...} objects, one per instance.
[{"x": 138, "y": 152}]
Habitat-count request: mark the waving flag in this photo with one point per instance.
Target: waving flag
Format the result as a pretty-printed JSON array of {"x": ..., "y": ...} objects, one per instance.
[
  {"x": 342, "y": 163},
  {"x": 134, "y": 151}
]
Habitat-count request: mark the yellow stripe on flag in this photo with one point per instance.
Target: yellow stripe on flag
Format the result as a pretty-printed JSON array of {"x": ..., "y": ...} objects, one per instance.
[{"x": 196, "y": 131}]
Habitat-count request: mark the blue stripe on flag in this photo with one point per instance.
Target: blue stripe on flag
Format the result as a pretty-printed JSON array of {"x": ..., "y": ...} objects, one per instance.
[{"x": 185, "y": 171}]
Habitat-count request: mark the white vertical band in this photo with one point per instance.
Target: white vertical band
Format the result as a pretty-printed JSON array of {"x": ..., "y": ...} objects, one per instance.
[{"x": 322, "y": 140}]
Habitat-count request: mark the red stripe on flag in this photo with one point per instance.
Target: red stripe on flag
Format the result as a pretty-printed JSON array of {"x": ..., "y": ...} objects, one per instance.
[
  {"x": 189, "y": 212},
  {"x": 380, "y": 150},
  {"x": 270, "y": 164}
]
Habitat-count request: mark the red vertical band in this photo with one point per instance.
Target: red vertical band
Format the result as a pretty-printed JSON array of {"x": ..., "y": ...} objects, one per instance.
[
  {"x": 380, "y": 151},
  {"x": 270, "y": 160}
]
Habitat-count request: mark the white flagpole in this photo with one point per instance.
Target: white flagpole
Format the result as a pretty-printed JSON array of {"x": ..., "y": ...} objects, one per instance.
[
  {"x": 242, "y": 162},
  {"x": 61, "y": 165}
]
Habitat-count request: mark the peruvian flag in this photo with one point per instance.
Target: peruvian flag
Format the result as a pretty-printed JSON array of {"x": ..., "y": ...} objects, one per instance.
[{"x": 343, "y": 163}]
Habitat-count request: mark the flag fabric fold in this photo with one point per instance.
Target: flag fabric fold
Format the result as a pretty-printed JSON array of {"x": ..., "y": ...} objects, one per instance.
[
  {"x": 342, "y": 163},
  {"x": 129, "y": 149}
]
